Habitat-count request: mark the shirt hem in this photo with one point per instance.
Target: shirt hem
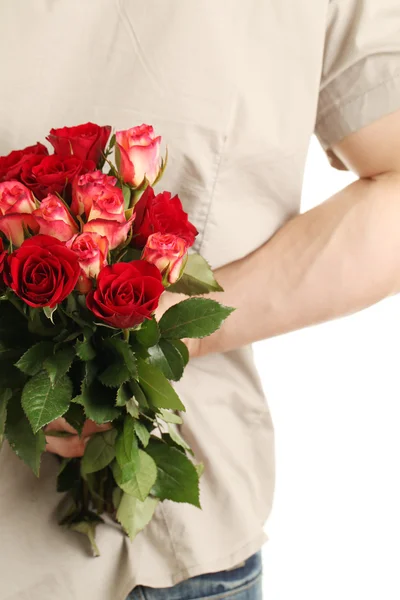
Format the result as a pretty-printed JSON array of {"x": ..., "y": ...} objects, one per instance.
[{"x": 225, "y": 562}]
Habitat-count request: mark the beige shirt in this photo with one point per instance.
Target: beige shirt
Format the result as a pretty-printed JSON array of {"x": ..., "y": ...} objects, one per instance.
[{"x": 236, "y": 88}]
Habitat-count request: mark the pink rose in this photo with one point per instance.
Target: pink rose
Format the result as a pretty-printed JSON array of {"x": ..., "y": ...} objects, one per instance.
[
  {"x": 107, "y": 203},
  {"x": 115, "y": 232},
  {"x": 82, "y": 190},
  {"x": 138, "y": 154},
  {"x": 92, "y": 250},
  {"x": 16, "y": 206},
  {"x": 15, "y": 198},
  {"x": 168, "y": 253},
  {"x": 54, "y": 219},
  {"x": 14, "y": 226}
]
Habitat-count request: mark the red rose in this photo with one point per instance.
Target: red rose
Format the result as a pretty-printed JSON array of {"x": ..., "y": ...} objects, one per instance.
[
  {"x": 52, "y": 174},
  {"x": 161, "y": 214},
  {"x": 11, "y": 165},
  {"x": 126, "y": 293},
  {"x": 43, "y": 271},
  {"x": 85, "y": 142}
]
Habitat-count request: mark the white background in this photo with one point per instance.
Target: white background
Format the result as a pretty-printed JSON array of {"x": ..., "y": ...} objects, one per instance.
[{"x": 333, "y": 391}]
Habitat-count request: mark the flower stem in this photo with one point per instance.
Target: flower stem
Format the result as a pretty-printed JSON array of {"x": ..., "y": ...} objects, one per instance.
[{"x": 125, "y": 333}]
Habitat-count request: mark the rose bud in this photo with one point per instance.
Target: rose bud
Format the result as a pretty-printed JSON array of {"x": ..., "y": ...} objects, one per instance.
[
  {"x": 54, "y": 219},
  {"x": 52, "y": 174},
  {"x": 115, "y": 232},
  {"x": 126, "y": 293},
  {"x": 11, "y": 165},
  {"x": 14, "y": 226},
  {"x": 92, "y": 250},
  {"x": 161, "y": 214},
  {"x": 138, "y": 154},
  {"x": 16, "y": 206},
  {"x": 83, "y": 190},
  {"x": 107, "y": 203},
  {"x": 168, "y": 253},
  {"x": 43, "y": 272},
  {"x": 86, "y": 142},
  {"x": 15, "y": 198}
]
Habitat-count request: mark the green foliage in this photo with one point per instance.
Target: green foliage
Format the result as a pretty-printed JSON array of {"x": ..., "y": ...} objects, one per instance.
[
  {"x": 26, "y": 445},
  {"x": 193, "y": 318},
  {"x": 157, "y": 387},
  {"x": 197, "y": 278},
  {"x": 166, "y": 357},
  {"x": 85, "y": 350},
  {"x": 148, "y": 334},
  {"x": 33, "y": 360},
  {"x": 177, "y": 478},
  {"x": 127, "y": 451},
  {"x": 143, "y": 477},
  {"x": 142, "y": 432},
  {"x": 99, "y": 451},
  {"x": 59, "y": 363},
  {"x": 5, "y": 396},
  {"x": 134, "y": 515},
  {"x": 42, "y": 402},
  {"x": 98, "y": 402}
]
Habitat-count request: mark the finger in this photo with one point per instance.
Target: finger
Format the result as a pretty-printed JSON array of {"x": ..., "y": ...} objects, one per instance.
[
  {"x": 90, "y": 427},
  {"x": 66, "y": 447},
  {"x": 60, "y": 424}
]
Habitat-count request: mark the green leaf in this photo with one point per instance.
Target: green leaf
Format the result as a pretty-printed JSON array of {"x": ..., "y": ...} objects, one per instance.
[
  {"x": 123, "y": 351},
  {"x": 199, "y": 468},
  {"x": 182, "y": 349},
  {"x": 167, "y": 358},
  {"x": 98, "y": 402},
  {"x": 143, "y": 478},
  {"x": 26, "y": 445},
  {"x": 134, "y": 515},
  {"x": 127, "y": 451},
  {"x": 49, "y": 312},
  {"x": 32, "y": 361},
  {"x": 58, "y": 364},
  {"x": 142, "y": 432},
  {"x": 138, "y": 394},
  {"x": 99, "y": 451},
  {"x": 148, "y": 334},
  {"x": 178, "y": 439},
  {"x": 132, "y": 408},
  {"x": 126, "y": 191},
  {"x": 123, "y": 395},
  {"x": 170, "y": 417},
  {"x": 177, "y": 477},
  {"x": 157, "y": 387},
  {"x": 76, "y": 417},
  {"x": 197, "y": 278},
  {"x": 43, "y": 403},
  {"x": 114, "y": 375},
  {"x": 85, "y": 350},
  {"x": 5, "y": 396},
  {"x": 193, "y": 318}
]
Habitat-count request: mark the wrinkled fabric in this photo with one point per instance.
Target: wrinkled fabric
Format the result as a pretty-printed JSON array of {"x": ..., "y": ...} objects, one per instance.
[{"x": 236, "y": 90}]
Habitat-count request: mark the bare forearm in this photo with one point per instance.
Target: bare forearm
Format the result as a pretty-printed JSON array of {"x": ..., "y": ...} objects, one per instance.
[{"x": 333, "y": 260}]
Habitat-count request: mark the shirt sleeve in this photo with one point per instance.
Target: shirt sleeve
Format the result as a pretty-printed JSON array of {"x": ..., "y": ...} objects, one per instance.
[{"x": 360, "y": 77}]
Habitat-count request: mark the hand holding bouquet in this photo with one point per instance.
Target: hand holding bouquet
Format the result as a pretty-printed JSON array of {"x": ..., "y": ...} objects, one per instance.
[{"x": 85, "y": 256}]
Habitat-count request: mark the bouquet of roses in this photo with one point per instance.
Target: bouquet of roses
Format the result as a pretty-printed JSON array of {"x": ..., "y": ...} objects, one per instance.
[{"x": 86, "y": 250}]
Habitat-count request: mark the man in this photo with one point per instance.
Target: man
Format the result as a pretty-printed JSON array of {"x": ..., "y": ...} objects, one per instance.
[{"x": 236, "y": 90}]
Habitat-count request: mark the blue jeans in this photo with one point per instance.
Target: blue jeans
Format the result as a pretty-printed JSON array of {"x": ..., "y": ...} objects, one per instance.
[{"x": 242, "y": 583}]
